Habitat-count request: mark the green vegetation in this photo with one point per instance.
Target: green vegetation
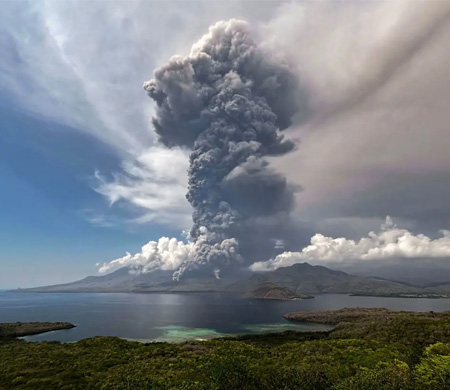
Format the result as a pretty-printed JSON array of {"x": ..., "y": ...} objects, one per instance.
[
  {"x": 20, "y": 329},
  {"x": 404, "y": 295},
  {"x": 368, "y": 349}
]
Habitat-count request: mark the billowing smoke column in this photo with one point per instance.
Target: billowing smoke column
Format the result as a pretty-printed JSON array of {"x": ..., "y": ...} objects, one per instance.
[{"x": 227, "y": 101}]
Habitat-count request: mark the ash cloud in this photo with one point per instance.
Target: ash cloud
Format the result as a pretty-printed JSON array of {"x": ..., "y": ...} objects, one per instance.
[
  {"x": 349, "y": 51},
  {"x": 228, "y": 101}
]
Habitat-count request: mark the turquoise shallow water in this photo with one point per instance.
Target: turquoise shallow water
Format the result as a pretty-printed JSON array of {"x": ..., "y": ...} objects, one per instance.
[
  {"x": 176, "y": 334},
  {"x": 179, "y": 317},
  {"x": 173, "y": 333}
]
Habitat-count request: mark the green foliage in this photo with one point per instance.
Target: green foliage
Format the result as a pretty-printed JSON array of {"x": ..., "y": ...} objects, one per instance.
[
  {"x": 433, "y": 372},
  {"x": 231, "y": 373},
  {"x": 392, "y": 376},
  {"x": 403, "y": 352}
]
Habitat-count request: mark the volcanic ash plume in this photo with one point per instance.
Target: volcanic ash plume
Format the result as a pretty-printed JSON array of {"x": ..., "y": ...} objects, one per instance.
[{"x": 227, "y": 102}]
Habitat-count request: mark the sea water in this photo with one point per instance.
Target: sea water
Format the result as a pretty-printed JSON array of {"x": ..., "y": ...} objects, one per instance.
[{"x": 178, "y": 317}]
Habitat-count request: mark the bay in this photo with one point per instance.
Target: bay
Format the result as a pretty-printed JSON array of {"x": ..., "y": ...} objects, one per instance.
[{"x": 179, "y": 317}]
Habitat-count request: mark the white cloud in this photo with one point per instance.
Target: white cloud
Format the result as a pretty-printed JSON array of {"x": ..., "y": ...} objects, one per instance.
[
  {"x": 34, "y": 75},
  {"x": 389, "y": 243},
  {"x": 170, "y": 254},
  {"x": 84, "y": 66},
  {"x": 155, "y": 183},
  {"x": 165, "y": 254},
  {"x": 98, "y": 219}
]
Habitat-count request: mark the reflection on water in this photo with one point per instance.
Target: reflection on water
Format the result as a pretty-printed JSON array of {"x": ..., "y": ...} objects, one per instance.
[{"x": 179, "y": 316}]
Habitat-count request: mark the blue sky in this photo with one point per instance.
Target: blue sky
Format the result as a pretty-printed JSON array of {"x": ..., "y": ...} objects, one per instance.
[
  {"x": 84, "y": 180},
  {"x": 48, "y": 205}
]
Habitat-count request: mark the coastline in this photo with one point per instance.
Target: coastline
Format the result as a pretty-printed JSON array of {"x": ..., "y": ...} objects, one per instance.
[{"x": 10, "y": 330}]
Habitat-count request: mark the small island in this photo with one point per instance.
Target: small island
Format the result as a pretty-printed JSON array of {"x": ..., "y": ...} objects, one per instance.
[
  {"x": 273, "y": 291},
  {"x": 405, "y": 295},
  {"x": 21, "y": 329}
]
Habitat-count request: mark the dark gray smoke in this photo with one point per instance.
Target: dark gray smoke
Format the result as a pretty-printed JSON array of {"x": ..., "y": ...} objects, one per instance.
[{"x": 228, "y": 101}]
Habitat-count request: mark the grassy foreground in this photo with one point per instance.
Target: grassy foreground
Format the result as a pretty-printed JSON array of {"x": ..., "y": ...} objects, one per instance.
[{"x": 369, "y": 349}]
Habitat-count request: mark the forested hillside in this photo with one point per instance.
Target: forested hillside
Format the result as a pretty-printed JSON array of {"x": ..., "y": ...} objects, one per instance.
[{"x": 369, "y": 349}]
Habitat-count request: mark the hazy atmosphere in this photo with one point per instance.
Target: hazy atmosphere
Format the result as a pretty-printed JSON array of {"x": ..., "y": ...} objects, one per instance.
[{"x": 219, "y": 138}]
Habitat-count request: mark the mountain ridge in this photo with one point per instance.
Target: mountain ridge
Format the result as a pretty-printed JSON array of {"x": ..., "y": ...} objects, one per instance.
[{"x": 300, "y": 279}]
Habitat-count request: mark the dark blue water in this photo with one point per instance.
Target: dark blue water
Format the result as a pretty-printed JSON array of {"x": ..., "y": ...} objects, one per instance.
[{"x": 176, "y": 317}]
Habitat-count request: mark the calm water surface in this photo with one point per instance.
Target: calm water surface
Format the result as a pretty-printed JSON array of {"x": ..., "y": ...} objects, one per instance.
[{"x": 177, "y": 317}]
